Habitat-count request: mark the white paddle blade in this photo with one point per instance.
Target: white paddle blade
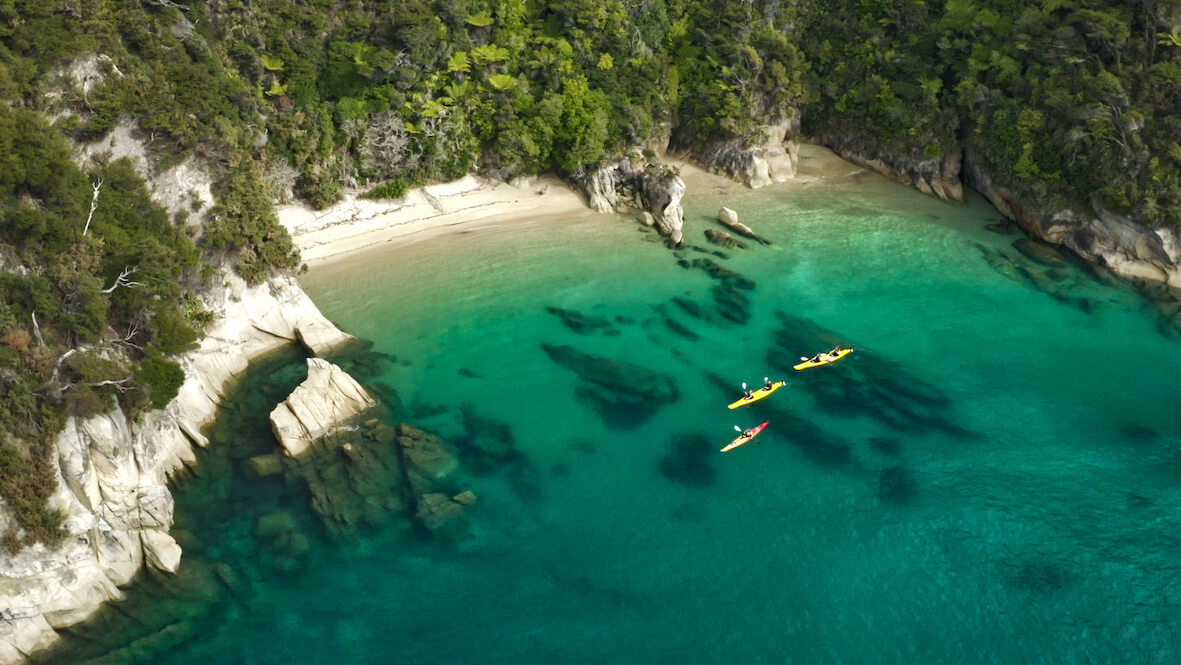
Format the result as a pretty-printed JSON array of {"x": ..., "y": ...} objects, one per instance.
[
  {"x": 744, "y": 385},
  {"x": 737, "y": 429}
]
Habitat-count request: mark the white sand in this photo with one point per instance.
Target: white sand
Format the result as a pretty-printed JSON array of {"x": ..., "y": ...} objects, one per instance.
[
  {"x": 353, "y": 225},
  {"x": 356, "y": 224}
]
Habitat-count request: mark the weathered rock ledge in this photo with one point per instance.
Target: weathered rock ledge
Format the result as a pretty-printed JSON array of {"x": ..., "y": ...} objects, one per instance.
[
  {"x": 114, "y": 472},
  {"x": 327, "y": 397},
  {"x": 1101, "y": 236},
  {"x": 653, "y": 188},
  {"x": 773, "y": 157},
  {"x": 937, "y": 176}
]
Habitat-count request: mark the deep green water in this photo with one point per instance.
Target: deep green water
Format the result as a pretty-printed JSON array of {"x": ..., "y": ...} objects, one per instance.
[{"x": 993, "y": 477}]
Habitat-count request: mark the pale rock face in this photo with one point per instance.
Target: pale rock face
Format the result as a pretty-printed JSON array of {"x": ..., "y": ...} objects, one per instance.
[
  {"x": 774, "y": 157},
  {"x": 934, "y": 176},
  {"x": 727, "y": 216},
  {"x": 653, "y": 189},
  {"x": 160, "y": 550},
  {"x": 184, "y": 187},
  {"x": 113, "y": 474},
  {"x": 327, "y": 397},
  {"x": 1122, "y": 244},
  {"x": 662, "y": 195}
]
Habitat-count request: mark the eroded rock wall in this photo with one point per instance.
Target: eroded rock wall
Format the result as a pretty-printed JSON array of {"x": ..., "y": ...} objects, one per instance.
[
  {"x": 936, "y": 176},
  {"x": 772, "y": 157},
  {"x": 113, "y": 473},
  {"x": 1101, "y": 236}
]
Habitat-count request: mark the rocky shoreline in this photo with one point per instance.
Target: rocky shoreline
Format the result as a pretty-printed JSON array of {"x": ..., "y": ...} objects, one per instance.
[
  {"x": 1099, "y": 236},
  {"x": 114, "y": 473}
]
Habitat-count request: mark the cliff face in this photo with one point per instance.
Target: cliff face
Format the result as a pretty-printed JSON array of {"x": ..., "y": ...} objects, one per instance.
[
  {"x": 113, "y": 473},
  {"x": 774, "y": 157},
  {"x": 1101, "y": 236},
  {"x": 936, "y": 176}
]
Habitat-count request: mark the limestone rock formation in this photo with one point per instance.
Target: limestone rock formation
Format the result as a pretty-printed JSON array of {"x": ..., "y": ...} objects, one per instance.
[
  {"x": 654, "y": 188},
  {"x": 937, "y": 176},
  {"x": 723, "y": 239},
  {"x": 772, "y": 157},
  {"x": 113, "y": 472},
  {"x": 327, "y": 397},
  {"x": 436, "y": 510},
  {"x": 1099, "y": 235}
]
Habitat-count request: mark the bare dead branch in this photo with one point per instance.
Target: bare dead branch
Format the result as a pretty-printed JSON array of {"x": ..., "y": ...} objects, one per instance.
[
  {"x": 37, "y": 330},
  {"x": 122, "y": 280},
  {"x": 93, "y": 204},
  {"x": 166, "y": 3}
]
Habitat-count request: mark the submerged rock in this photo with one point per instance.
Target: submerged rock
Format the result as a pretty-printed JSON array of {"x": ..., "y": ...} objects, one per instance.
[
  {"x": 437, "y": 510},
  {"x": 688, "y": 461},
  {"x": 1039, "y": 252},
  {"x": 625, "y": 394},
  {"x": 578, "y": 322},
  {"x": 723, "y": 239}
]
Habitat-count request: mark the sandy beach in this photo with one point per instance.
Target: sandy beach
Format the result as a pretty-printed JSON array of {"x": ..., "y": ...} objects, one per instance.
[
  {"x": 470, "y": 203},
  {"x": 354, "y": 225}
]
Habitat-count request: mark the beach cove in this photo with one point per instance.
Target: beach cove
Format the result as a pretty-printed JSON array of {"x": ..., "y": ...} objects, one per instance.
[{"x": 991, "y": 477}]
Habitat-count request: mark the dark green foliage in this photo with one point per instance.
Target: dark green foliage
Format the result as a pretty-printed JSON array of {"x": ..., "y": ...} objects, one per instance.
[
  {"x": 26, "y": 481},
  {"x": 113, "y": 288},
  {"x": 244, "y": 224},
  {"x": 161, "y": 378},
  {"x": 1066, "y": 103}
]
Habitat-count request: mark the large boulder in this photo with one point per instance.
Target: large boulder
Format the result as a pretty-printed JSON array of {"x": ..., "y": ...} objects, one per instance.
[
  {"x": 327, "y": 397},
  {"x": 729, "y": 219},
  {"x": 653, "y": 188}
]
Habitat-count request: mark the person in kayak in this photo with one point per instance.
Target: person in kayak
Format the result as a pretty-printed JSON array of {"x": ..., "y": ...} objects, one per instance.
[
  {"x": 746, "y": 392},
  {"x": 767, "y": 383}
]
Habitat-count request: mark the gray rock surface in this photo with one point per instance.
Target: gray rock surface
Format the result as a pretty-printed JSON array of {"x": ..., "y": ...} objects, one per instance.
[
  {"x": 114, "y": 473},
  {"x": 936, "y": 176},
  {"x": 1127, "y": 247},
  {"x": 772, "y": 157},
  {"x": 653, "y": 188}
]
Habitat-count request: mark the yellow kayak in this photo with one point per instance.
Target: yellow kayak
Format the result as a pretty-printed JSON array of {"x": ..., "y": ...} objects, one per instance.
[
  {"x": 825, "y": 359},
  {"x": 757, "y": 395}
]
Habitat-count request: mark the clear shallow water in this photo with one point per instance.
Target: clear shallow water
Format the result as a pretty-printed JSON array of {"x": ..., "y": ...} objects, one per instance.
[{"x": 994, "y": 477}]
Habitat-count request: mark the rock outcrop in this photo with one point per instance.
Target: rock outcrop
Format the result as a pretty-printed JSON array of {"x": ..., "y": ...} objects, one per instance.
[
  {"x": 772, "y": 156},
  {"x": 326, "y": 398},
  {"x": 654, "y": 188},
  {"x": 937, "y": 176},
  {"x": 1099, "y": 235},
  {"x": 729, "y": 219},
  {"x": 114, "y": 472}
]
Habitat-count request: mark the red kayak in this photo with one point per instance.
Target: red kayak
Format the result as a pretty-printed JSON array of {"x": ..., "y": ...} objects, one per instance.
[{"x": 746, "y": 436}]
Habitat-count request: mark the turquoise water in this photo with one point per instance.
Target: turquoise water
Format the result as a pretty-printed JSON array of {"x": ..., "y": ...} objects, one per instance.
[{"x": 994, "y": 476}]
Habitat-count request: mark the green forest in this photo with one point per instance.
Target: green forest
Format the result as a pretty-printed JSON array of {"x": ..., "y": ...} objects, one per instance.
[{"x": 1068, "y": 103}]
